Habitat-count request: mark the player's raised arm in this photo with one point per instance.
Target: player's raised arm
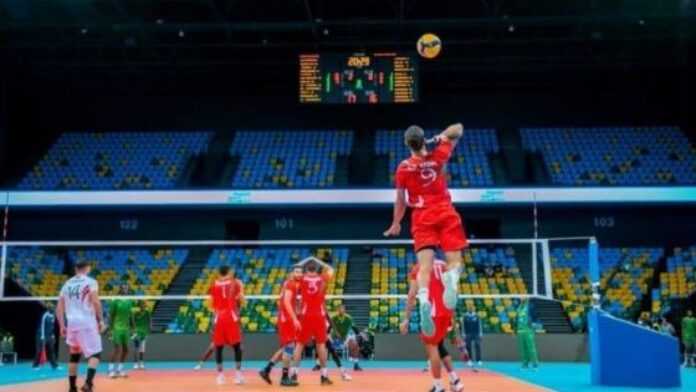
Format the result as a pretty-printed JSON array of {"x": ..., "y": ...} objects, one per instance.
[
  {"x": 452, "y": 133},
  {"x": 399, "y": 212},
  {"x": 326, "y": 269},
  {"x": 241, "y": 298}
]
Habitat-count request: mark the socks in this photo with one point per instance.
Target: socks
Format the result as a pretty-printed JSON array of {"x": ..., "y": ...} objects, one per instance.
[
  {"x": 90, "y": 376},
  {"x": 111, "y": 367},
  {"x": 73, "y": 382},
  {"x": 269, "y": 366},
  {"x": 293, "y": 371},
  {"x": 324, "y": 372},
  {"x": 120, "y": 367},
  {"x": 423, "y": 295},
  {"x": 286, "y": 373},
  {"x": 438, "y": 385}
]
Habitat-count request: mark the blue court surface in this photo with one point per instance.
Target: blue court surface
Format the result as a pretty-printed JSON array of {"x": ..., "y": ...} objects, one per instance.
[{"x": 550, "y": 376}]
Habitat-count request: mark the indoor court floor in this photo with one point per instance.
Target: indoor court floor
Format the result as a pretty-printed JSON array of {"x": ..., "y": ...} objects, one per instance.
[{"x": 379, "y": 376}]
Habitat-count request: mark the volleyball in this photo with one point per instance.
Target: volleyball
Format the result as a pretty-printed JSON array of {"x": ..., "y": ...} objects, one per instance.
[{"x": 429, "y": 45}]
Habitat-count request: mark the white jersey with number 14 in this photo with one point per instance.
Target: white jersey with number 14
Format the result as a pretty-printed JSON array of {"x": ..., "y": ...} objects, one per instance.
[{"x": 79, "y": 311}]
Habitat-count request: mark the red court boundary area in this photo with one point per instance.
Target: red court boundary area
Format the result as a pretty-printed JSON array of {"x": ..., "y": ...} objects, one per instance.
[{"x": 204, "y": 381}]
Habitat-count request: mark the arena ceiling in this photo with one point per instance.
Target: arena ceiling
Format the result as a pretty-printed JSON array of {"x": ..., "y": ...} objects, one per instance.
[{"x": 475, "y": 32}]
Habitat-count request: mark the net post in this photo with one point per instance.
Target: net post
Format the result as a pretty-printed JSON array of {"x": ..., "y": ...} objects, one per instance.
[
  {"x": 593, "y": 254},
  {"x": 3, "y": 265},
  {"x": 546, "y": 258},
  {"x": 535, "y": 278}
]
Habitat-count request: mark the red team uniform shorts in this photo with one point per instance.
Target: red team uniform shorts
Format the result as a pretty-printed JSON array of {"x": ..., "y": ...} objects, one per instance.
[
  {"x": 227, "y": 330},
  {"x": 313, "y": 327},
  {"x": 442, "y": 326},
  {"x": 438, "y": 226},
  {"x": 287, "y": 333}
]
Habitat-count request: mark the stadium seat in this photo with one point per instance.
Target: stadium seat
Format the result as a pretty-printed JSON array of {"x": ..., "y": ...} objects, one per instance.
[
  {"x": 116, "y": 160},
  {"x": 614, "y": 156},
  {"x": 288, "y": 159}
]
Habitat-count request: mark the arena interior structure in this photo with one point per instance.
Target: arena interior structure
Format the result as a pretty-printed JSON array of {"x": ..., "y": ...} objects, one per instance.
[{"x": 162, "y": 139}]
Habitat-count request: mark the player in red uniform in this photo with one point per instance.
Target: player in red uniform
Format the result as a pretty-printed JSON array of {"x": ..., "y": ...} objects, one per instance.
[
  {"x": 288, "y": 327},
  {"x": 227, "y": 296},
  {"x": 313, "y": 313},
  {"x": 421, "y": 185},
  {"x": 441, "y": 317}
]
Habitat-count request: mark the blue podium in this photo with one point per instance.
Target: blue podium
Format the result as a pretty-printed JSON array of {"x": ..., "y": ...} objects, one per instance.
[{"x": 628, "y": 355}]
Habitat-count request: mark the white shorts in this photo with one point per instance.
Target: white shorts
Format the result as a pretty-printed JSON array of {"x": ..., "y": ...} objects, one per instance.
[
  {"x": 86, "y": 340},
  {"x": 350, "y": 338}
]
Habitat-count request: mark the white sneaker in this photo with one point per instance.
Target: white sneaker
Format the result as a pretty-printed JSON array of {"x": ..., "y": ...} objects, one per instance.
[
  {"x": 136, "y": 366},
  {"x": 346, "y": 377},
  {"x": 479, "y": 363},
  {"x": 142, "y": 366},
  {"x": 122, "y": 374},
  {"x": 451, "y": 294},
  {"x": 470, "y": 364},
  {"x": 197, "y": 367},
  {"x": 457, "y": 386},
  {"x": 220, "y": 379},
  {"x": 112, "y": 374},
  {"x": 239, "y": 379}
]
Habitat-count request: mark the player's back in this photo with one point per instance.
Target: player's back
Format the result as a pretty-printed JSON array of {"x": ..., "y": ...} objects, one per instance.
[
  {"x": 225, "y": 295},
  {"x": 313, "y": 291},
  {"x": 436, "y": 289},
  {"x": 424, "y": 178},
  {"x": 79, "y": 310}
]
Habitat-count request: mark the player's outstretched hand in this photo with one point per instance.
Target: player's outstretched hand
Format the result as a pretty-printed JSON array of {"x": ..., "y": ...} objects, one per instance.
[
  {"x": 403, "y": 327},
  {"x": 393, "y": 231}
]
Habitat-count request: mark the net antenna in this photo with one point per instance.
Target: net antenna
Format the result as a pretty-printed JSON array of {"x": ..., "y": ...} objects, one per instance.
[{"x": 3, "y": 256}]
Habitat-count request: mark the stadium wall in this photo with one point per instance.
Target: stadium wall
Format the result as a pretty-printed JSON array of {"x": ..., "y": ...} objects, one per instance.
[{"x": 498, "y": 347}]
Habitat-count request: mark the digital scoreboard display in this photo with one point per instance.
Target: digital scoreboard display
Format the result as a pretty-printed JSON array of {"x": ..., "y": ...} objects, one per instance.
[{"x": 358, "y": 78}]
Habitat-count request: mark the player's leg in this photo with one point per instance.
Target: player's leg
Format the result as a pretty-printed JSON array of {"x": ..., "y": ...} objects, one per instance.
[
  {"x": 425, "y": 258},
  {"x": 452, "y": 241},
  {"x": 51, "y": 353},
  {"x": 296, "y": 359},
  {"x": 265, "y": 373},
  {"x": 124, "y": 355},
  {"x": 218, "y": 364},
  {"x": 287, "y": 357},
  {"x": 433, "y": 354},
  {"x": 469, "y": 347},
  {"x": 40, "y": 344},
  {"x": 141, "y": 352},
  {"x": 455, "y": 383},
  {"x": 115, "y": 355},
  {"x": 524, "y": 349},
  {"x": 73, "y": 362},
  {"x": 136, "y": 352},
  {"x": 323, "y": 356},
  {"x": 206, "y": 356},
  {"x": 238, "y": 354},
  {"x": 337, "y": 360},
  {"x": 353, "y": 352},
  {"x": 477, "y": 351},
  {"x": 531, "y": 350},
  {"x": 90, "y": 342}
]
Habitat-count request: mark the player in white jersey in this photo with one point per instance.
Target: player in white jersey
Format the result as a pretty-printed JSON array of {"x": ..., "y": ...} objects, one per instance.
[{"x": 79, "y": 305}]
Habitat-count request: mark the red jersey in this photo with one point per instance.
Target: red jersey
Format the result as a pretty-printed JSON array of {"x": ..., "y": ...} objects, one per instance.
[
  {"x": 436, "y": 289},
  {"x": 313, "y": 291},
  {"x": 423, "y": 178},
  {"x": 225, "y": 294},
  {"x": 293, "y": 286}
]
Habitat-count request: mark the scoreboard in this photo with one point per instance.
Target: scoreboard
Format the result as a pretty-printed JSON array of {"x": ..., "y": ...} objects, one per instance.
[{"x": 358, "y": 78}]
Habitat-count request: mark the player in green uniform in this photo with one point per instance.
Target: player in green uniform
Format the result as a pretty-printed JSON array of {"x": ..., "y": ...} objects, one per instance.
[
  {"x": 345, "y": 332},
  {"x": 121, "y": 326},
  {"x": 689, "y": 338},
  {"x": 142, "y": 318},
  {"x": 525, "y": 336}
]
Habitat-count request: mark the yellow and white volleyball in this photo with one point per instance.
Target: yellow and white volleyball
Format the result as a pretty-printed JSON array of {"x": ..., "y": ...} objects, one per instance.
[{"x": 429, "y": 45}]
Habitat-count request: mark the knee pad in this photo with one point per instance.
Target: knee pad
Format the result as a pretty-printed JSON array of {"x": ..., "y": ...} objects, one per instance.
[
  {"x": 442, "y": 350},
  {"x": 237, "y": 352},
  {"x": 218, "y": 355},
  {"x": 75, "y": 358},
  {"x": 289, "y": 349}
]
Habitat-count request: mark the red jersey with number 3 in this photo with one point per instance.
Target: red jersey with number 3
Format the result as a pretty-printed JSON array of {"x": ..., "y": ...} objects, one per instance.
[
  {"x": 225, "y": 295},
  {"x": 423, "y": 178},
  {"x": 436, "y": 289},
  {"x": 313, "y": 289}
]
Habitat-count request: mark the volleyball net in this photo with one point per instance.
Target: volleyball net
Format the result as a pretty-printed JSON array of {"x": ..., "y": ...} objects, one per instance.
[{"x": 172, "y": 278}]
